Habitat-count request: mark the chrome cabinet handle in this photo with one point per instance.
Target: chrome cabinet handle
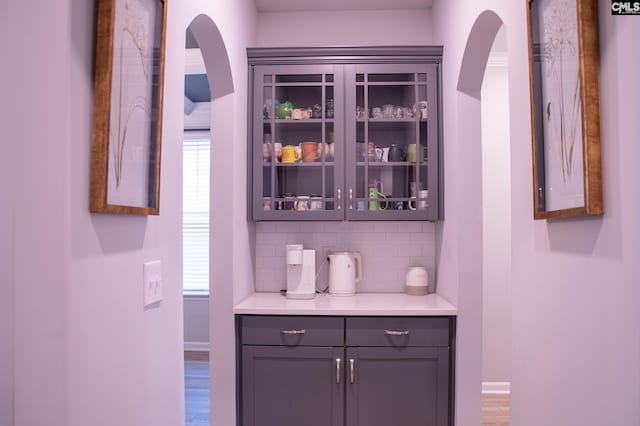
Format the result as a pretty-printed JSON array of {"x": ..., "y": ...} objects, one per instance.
[
  {"x": 351, "y": 374},
  {"x": 350, "y": 198},
  {"x": 339, "y": 198},
  {"x": 338, "y": 370},
  {"x": 396, "y": 332},
  {"x": 301, "y": 331}
]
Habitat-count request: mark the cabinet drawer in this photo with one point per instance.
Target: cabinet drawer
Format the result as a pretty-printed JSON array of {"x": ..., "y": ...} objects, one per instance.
[
  {"x": 292, "y": 330},
  {"x": 397, "y": 331}
]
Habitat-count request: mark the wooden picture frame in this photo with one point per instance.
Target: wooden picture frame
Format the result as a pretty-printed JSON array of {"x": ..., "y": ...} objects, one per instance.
[
  {"x": 565, "y": 112},
  {"x": 127, "y": 106}
]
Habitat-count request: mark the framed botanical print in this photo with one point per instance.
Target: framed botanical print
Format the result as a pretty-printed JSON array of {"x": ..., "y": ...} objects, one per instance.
[
  {"x": 565, "y": 114},
  {"x": 127, "y": 109}
]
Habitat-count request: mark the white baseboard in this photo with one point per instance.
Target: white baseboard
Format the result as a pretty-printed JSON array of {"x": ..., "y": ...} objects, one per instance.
[
  {"x": 496, "y": 387},
  {"x": 196, "y": 346}
]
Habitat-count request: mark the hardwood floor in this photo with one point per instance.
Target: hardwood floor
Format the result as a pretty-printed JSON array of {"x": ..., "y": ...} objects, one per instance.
[
  {"x": 196, "y": 389},
  {"x": 495, "y": 410},
  {"x": 495, "y": 407}
]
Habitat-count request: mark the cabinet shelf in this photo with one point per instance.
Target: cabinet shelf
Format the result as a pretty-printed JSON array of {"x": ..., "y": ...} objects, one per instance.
[
  {"x": 390, "y": 164},
  {"x": 391, "y": 83},
  {"x": 301, "y": 121},
  {"x": 301, "y": 164},
  {"x": 389, "y": 120}
]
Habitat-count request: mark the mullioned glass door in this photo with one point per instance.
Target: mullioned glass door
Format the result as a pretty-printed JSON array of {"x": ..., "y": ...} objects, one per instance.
[{"x": 298, "y": 142}]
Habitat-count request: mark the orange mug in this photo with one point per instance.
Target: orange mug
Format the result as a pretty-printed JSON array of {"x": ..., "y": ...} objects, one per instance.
[{"x": 310, "y": 152}]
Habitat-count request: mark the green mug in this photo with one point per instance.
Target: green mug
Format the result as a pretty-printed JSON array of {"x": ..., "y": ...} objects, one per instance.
[
  {"x": 411, "y": 152},
  {"x": 375, "y": 205}
]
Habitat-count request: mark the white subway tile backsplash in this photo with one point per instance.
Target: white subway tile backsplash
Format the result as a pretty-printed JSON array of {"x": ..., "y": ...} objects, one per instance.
[
  {"x": 386, "y": 227},
  {"x": 387, "y": 248},
  {"x": 401, "y": 237},
  {"x": 412, "y": 227},
  {"x": 265, "y": 250},
  {"x": 429, "y": 251},
  {"x": 288, "y": 226},
  {"x": 360, "y": 227},
  {"x": 429, "y": 227},
  {"x": 326, "y": 239},
  {"x": 341, "y": 226},
  {"x": 266, "y": 227},
  {"x": 311, "y": 227}
]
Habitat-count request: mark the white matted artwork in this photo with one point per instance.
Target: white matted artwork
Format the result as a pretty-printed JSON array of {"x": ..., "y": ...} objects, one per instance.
[
  {"x": 565, "y": 108},
  {"x": 128, "y": 106}
]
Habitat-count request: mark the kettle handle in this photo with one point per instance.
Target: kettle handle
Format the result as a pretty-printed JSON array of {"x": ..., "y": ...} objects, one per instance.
[{"x": 358, "y": 259}]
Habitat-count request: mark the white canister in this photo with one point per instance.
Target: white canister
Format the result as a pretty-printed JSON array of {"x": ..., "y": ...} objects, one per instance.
[{"x": 417, "y": 281}]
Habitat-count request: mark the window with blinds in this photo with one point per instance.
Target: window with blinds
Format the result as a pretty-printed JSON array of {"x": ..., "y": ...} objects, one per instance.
[{"x": 195, "y": 213}]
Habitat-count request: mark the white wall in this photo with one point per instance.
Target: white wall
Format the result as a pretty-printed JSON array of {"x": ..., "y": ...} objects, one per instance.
[
  {"x": 496, "y": 214},
  {"x": 39, "y": 130},
  {"x": 365, "y": 28},
  {"x": 387, "y": 249},
  {"x": 575, "y": 294},
  {"x": 196, "y": 323},
  {"x": 8, "y": 29},
  {"x": 85, "y": 350}
]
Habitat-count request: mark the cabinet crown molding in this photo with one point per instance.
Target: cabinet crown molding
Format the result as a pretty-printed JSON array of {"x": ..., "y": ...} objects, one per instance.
[{"x": 344, "y": 54}]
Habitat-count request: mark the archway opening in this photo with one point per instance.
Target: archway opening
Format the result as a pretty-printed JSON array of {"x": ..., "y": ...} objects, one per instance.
[
  {"x": 496, "y": 241},
  {"x": 483, "y": 107},
  {"x": 208, "y": 80}
]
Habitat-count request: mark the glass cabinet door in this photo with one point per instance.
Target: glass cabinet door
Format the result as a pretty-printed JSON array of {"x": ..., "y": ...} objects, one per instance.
[
  {"x": 298, "y": 142},
  {"x": 392, "y": 140}
]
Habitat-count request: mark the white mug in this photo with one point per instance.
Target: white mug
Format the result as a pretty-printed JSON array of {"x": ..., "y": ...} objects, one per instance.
[
  {"x": 423, "y": 196},
  {"x": 315, "y": 203},
  {"x": 414, "y": 190},
  {"x": 423, "y": 110},
  {"x": 412, "y": 204},
  {"x": 302, "y": 203}
]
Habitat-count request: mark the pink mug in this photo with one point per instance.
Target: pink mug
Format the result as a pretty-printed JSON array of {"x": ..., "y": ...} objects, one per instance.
[{"x": 374, "y": 152}]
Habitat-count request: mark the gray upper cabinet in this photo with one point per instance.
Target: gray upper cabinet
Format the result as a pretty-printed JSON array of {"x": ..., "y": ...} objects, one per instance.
[{"x": 345, "y": 133}]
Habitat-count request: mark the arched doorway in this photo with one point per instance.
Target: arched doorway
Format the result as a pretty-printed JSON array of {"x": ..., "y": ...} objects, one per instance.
[
  {"x": 496, "y": 231},
  {"x": 478, "y": 253},
  {"x": 220, "y": 83}
]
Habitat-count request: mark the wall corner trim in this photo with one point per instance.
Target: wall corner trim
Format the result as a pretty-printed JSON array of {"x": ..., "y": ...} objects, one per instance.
[{"x": 196, "y": 346}]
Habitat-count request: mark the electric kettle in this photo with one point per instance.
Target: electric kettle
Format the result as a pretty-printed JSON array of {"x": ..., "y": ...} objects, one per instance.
[{"x": 345, "y": 270}]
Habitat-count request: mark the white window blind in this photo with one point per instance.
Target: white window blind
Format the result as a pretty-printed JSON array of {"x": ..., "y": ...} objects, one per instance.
[{"x": 195, "y": 213}]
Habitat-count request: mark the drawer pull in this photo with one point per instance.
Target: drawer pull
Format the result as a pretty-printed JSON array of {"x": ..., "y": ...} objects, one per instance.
[
  {"x": 288, "y": 332},
  {"x": 351, "y": 373},
  {"x": 338, "y": 370},
  {"x": 396, "y": 332}
]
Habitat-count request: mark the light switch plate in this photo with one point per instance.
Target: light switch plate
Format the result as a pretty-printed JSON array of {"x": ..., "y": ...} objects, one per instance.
[{"x": 152, "y": 282}]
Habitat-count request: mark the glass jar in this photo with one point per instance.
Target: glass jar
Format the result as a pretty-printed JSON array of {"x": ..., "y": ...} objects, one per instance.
[{"x": 329, "y": 109}]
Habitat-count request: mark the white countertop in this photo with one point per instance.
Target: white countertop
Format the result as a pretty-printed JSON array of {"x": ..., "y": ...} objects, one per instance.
[{"x": 360, "y": 304}]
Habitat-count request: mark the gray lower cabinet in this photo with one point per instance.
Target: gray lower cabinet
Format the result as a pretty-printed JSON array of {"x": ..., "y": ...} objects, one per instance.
[
  {"x": 345, "y": 371},
  {"x": 398, "y": 386},
  {"x": 284, "y": 386}
]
